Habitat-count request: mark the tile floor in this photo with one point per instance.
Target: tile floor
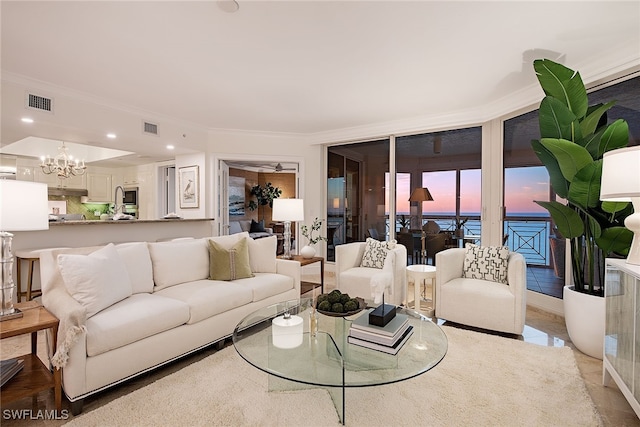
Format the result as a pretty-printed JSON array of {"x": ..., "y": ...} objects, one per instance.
[
  {"x": 543, "y": 280},
  {"x": 541, "y": 328}
]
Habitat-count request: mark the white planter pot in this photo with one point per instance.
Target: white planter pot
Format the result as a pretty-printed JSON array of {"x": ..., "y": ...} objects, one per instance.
[
  {"x": 584, "y": 316},
  {"x": 308, "y": 251}
]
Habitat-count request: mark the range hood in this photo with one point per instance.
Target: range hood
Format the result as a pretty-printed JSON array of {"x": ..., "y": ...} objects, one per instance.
[{"x": 62, "y": 191}]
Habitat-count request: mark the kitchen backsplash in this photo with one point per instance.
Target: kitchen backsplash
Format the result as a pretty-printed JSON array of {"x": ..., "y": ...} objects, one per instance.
[{"x": 74, "y": 206}]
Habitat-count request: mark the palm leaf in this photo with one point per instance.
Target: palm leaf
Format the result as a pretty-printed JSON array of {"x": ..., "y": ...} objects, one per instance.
[
  {"x": 567, "y": 220},
  {"x": 584, "y": 190},
  {"x": 615, "y": 240},
  {"x": 571, "y": 157},
  {"x": 562, "y": 83},
  {"x": 594, "y": 114},
  {"x": 615, "y": 136},
  {"x": 557, "y": 180},
  {"x": 613, "y": 207},
  {"x": 556, "y": 120}
]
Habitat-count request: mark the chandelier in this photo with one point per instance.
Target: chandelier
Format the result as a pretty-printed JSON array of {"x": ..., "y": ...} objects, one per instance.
[{"x": 63, "y": 165}]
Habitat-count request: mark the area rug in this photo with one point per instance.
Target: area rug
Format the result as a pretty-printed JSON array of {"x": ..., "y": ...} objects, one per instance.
[{"x": 484, "y": 380}]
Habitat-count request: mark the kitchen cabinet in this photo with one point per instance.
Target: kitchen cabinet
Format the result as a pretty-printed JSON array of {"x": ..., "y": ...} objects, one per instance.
[
  {"x": 99, "y": 187},
  {"x": 621, "y": 361},
  {"x": 130, "y": 178}
]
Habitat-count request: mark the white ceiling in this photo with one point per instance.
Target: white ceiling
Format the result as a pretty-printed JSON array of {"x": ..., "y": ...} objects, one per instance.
[{"x": 301, "y": 67}]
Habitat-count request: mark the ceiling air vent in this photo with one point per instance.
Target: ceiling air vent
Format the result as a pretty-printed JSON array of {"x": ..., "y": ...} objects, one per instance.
[
  {"x": 38, "y": 102},
  {"x": 150, "y": 128}
]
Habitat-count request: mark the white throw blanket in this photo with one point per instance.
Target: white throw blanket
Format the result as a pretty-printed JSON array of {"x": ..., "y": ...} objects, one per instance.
[
  {"x": 58, "y": 301},
  {"x": 383, "y": 281}
]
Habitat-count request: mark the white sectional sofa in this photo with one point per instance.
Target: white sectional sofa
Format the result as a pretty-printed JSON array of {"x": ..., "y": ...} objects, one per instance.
[{"x": 126, "y": 309}]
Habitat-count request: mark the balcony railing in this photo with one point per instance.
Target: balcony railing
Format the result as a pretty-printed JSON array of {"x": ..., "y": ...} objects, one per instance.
[{"x": 528, "y": 235}]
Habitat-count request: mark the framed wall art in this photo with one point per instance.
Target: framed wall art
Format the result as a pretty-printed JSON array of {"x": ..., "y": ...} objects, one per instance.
[
  {"x": 189, "y": 187},
  {"x": 236, "y": 195}
]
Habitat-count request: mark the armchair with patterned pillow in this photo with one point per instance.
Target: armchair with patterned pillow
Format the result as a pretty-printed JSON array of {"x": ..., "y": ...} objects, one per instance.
[
  {"x": 358, "y": 263},
  {"x": 482, "y": 286}
]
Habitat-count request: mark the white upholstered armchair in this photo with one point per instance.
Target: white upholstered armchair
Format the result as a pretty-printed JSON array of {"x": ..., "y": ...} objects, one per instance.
[
  {"x": 356, "y": 280},
  {"x": 481, "y": 303}
]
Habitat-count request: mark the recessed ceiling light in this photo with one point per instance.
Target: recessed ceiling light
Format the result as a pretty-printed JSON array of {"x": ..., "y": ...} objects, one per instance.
[
  {"x": 27, "y": 120},
  {"x": 111, "y": 135},
  {"x": 170, "y": 147}
]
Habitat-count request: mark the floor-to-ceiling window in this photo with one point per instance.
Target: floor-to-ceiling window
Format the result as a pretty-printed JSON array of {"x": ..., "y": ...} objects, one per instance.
[
  {"x": 356, "y": 192},
  {"x": 447, "y": 164}
]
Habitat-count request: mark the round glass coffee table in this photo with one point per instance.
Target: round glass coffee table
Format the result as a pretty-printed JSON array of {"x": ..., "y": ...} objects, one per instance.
[{"x": 298, "y": 359}]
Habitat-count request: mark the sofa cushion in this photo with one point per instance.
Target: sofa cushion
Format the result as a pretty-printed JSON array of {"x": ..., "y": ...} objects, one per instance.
[
  {"x": 229, "y": 264},
  {"x": 265, "y": 285},
  {"x": 486, "y": 263},
  {"x": 207, "y": 298},
  {"x": 234, "y": 227},
  {"x": 97, "y": 280},
  {"x": 262, "y": 254},
  {"x": 359, "y": 280},
  {"x": 230, "y": 240},
  {"x": 179, "y": 261},
  {"x": 136, "y": 258},
  {"x": 132, "y": 319},
  {"x": 375, "y": 252}
]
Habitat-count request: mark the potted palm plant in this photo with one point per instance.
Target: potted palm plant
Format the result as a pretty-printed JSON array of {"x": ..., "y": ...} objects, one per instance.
[{"x": 573, "y": 138}]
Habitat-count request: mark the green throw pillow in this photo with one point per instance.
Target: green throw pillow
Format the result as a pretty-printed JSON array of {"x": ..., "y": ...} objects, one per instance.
[{"x": 229, "y": 264}]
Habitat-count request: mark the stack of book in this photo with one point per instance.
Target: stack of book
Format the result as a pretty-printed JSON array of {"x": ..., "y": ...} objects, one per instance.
[
  {"x": 9, "y": 368},
  {"x": 389, "y": 338}
]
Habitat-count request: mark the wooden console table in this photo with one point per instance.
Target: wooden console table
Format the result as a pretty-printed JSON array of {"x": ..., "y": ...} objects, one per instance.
[
  {"x": 34, "y": 376},
  {"x": 308, "y": 286}
]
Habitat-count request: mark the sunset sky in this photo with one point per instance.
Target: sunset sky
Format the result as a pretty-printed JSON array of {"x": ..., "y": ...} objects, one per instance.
[{"x": 522, "y": 187}]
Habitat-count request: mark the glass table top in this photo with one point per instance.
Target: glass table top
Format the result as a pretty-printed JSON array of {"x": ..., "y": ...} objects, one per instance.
[{"x": 327, "y": 359}]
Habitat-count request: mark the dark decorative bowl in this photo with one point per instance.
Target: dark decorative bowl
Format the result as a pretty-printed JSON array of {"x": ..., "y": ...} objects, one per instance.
[{"x": 361, "y": 306}]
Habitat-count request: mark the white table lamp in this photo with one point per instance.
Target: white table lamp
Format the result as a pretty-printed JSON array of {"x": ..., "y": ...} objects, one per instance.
[
  {"x": 23, "y": 207},
  {"x": 621, "y": 183},
  {"x": 287, "y": 210}
]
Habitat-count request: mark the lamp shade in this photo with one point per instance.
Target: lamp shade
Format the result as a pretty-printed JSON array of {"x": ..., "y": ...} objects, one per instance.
[
  {"x": 23, "y": 206},
  {"x": 288, "y": 210},
  {"x": 420, "y": 195},
  {"x": 620, "y": 174}
]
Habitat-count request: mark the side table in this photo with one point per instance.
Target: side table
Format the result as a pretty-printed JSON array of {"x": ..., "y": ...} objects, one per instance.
[
  {"x": 308, "y": 286},
  {"x": 419, "y": 274},
  {"x": 35, "y": 376}
]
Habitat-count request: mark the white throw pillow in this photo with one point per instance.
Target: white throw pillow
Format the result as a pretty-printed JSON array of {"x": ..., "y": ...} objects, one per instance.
[
  {"x": 262, "y": 254},
  {"x": 375, "y": 253},
  {"x": 136, "y": 258},
  {"x": 97, "y": 280},
  {"x": 486, "y": 262},
  {"x": 179, "y": 261},
  {"x": 227, "y": 242}
]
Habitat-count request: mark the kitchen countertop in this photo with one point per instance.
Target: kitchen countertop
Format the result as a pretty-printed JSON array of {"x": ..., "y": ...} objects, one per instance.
[{"x": 130, "y": 221}]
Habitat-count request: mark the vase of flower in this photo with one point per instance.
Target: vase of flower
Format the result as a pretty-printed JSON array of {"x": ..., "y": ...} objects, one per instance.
[{"x": 309, "y": 251}]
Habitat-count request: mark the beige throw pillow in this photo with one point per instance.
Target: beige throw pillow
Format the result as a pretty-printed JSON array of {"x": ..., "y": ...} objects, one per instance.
[{"x": 229, "y": 264}]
